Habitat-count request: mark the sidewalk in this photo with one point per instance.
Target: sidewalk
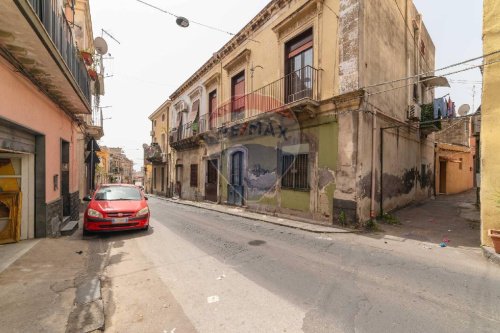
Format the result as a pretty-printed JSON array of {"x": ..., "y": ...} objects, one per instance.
[
  {"x": 310, "y": 225},
  {"x": 447, "y": 217},
  {"x": 50, "y": 285}
]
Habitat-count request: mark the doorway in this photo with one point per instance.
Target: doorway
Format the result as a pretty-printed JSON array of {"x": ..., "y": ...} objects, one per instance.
[
  {"x": 442, "y": 177},
  {"x": 178, "y": 180},
  {"x": 211, "y": 184},
  {"x": 65, "y": 178},
  {"x": 235, "y": 186}
]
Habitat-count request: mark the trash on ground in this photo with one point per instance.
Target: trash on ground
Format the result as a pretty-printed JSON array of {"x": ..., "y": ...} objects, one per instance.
[
  {"x": 221, "y": 277},
  {"x": 212, "y": 299},
  {"x": 443, "y": 244}
]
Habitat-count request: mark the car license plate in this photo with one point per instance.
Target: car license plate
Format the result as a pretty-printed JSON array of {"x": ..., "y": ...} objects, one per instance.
[{"x": 120, "y": 220}]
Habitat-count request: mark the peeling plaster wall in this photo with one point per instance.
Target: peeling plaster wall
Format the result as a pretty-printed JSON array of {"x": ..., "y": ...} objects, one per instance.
[{"x": 375, "y": 47}]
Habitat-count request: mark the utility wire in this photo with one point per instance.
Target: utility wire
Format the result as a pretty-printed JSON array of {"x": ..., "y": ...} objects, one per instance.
[
  {"x": 195, "y": 22},
  {"x": 436, "y": 70}
]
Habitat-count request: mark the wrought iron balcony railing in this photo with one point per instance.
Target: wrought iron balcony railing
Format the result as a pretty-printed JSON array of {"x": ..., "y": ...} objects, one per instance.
[
  {"x": 301, "y": 85},
  {"x": 56, "y": 25}
]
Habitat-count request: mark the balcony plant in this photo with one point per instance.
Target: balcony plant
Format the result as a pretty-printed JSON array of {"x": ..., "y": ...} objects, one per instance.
[
  {"x": 92, "y": 74},
  {"x": 495, "y": 238},
  {"x": 87, "y": 57}
]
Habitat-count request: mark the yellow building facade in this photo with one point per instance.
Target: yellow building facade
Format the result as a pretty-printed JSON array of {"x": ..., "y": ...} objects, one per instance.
[{"x": 490, "y": 123}]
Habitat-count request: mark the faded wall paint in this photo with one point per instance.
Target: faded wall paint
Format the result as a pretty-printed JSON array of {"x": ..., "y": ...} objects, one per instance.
[
  {"x": 490, "y": 124},
  {"x": 383, "y": 51}
]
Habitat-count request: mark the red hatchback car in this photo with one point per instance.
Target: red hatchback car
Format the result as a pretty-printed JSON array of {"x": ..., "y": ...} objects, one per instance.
[{"x": 116, "y": 207}]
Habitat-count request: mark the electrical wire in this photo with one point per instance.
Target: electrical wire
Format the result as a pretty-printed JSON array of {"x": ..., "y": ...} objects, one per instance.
[
  {"x": 437, "y": 70},
  {"x": 195, "y": 22}
]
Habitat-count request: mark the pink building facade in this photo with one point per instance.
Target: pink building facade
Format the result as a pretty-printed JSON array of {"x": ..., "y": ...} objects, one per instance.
[{"x": 44, "y": 99}]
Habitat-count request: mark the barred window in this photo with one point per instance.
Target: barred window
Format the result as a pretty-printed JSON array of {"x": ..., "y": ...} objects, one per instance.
[
  {"x": 295, "y": 171},
  {"x": 194, "y": 175}
]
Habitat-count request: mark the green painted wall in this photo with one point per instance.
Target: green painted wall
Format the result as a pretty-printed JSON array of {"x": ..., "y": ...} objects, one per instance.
[{"x": 296, "y": 200}]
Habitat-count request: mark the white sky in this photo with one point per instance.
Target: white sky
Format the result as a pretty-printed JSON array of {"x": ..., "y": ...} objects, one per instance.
[{"x": 155, "y": 56}]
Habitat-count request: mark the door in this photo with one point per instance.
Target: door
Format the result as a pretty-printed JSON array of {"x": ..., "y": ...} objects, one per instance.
[
  {"x": 178, "y": 180},
  {"x": 299, "y": 72},
  {"x": 211, "y": 184},
  {"x": 212, "y": 109},
  {"x": 10, "y": 200},
  {"x": 235, "y": 187},
  {"x": 65, "y": 178},
  {"x": 238, "y": 96},
  {"x": 442, "y": 177}
]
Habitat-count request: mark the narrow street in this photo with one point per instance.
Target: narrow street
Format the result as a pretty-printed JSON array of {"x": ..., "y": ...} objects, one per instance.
[{"x": 198, "y": 270}]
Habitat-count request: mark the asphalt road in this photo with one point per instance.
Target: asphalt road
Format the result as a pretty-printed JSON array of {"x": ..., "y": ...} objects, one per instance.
[{"x": 199, "y": 270}]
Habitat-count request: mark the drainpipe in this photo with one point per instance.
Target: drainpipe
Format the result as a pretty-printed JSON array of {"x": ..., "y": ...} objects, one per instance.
[
  {"x": 381, "y": 171},
  {"x": 374, "y": 148}
]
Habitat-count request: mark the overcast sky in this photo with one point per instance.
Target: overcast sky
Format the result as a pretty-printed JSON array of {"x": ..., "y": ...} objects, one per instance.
[{"x": 155, "y": 56}]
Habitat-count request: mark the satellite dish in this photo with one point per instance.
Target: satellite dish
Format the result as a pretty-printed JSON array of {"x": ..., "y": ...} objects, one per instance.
[
  {"x": 100, "y": 45},
  {"x": 463, "y": 110},
  {"x": 182, "y": 22}
]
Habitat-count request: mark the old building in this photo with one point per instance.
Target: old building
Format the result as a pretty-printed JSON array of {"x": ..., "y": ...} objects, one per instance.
[
  {"x": 121, "y": 168},
  {"x": 294, "y": 116},
  {"x": 490, "y": 123},
  {"x": 455, "y": 156},
  {"x": 156, "y": 155},
  {"x": 45, "y": 107}
]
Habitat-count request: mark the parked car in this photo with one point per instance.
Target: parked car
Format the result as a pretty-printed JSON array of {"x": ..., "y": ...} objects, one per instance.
[{"x": 116, "y": 207}]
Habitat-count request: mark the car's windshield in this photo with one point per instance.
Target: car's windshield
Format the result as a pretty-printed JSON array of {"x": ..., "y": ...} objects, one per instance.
[{"x": 114, "y": 193}]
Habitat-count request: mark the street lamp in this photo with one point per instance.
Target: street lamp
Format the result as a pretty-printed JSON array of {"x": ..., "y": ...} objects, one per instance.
[{"x": 182, "y": 22}]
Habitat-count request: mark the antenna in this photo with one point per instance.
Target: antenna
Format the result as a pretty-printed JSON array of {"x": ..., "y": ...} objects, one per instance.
[
  {"x": 110, "y": 35},
  {"x": 463, "y": 110},
  {"x": 100, "y": 45}
]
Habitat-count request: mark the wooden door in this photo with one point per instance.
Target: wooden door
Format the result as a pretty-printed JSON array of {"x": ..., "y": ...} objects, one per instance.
[{"x": 211, "y": 181}]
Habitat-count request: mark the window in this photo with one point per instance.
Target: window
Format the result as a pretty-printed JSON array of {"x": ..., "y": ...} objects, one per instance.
[
  {"x": 163, "y": 117},
  {"x": 212, "y": 109},
  {"x": 194, "y": 175},
  {"x": 460, "y": 164},
  {"x": 154, "y": 123},
  {"x": 295, "y": 171},
  {"x": 298, "y": 66},
  {"x": 238, "y": 96}
]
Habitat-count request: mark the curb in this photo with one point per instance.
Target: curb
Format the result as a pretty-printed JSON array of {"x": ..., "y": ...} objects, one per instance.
[
  {"x": 490, "y": 254},
  {"x": 254, "y": 218}
]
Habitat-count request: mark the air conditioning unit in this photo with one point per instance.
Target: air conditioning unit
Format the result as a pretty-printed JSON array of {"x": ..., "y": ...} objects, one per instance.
[{"x": 414, "y": 112}]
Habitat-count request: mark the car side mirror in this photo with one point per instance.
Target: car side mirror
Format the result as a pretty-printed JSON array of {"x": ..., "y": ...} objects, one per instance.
[
  {"x": 146, "y": 198},
  {"x": 87, "y": 198}
]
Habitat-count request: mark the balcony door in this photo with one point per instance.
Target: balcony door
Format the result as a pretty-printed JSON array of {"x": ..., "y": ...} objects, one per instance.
[
  {"x": 212, "y": 109},
  {"x": 238, "y": 96},
  {"x": 298, "y": 65}
]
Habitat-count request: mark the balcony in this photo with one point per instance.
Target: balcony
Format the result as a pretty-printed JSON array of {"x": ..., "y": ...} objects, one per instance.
[
  {"x": 154, "y": 154},
  {"x": 95, "y": 124},
  {"x": 428, "y": 124},
  {"x": 297, "y": 91},
  {"x": 37, "y": 39}
]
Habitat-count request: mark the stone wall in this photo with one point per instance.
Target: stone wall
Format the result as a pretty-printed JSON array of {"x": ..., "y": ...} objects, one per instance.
[
  {"x": 74, "y": 204},
  {"x": 54, "y": 218}
]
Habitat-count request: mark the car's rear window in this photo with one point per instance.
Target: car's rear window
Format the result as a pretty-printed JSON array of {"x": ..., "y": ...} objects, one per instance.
[{"x": 115, "y": 193}]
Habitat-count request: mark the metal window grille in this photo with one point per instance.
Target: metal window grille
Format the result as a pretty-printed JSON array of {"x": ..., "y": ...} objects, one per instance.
[
  {"x": 194, "y": 175},
  {"x": 295, "y": 171}
]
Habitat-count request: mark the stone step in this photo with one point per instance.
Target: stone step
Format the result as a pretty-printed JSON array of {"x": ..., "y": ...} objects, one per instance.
[{"x": 69, "y": 227}]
